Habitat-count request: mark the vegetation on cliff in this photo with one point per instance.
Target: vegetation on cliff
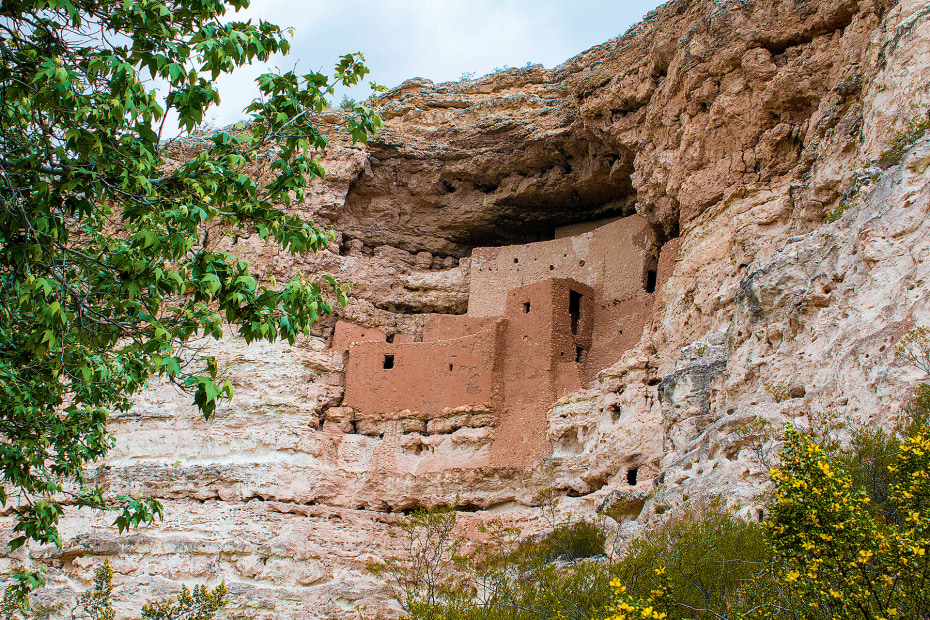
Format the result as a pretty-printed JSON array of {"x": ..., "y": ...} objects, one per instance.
[{"x": 106, "y": 273}]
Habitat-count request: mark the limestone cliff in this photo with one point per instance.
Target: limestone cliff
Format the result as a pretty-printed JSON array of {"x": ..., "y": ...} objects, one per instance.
[{"x": 732, "y": 127}]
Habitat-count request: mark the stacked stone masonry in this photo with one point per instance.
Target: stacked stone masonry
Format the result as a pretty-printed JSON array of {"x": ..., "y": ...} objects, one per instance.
[{"x": 542, "y": 319}]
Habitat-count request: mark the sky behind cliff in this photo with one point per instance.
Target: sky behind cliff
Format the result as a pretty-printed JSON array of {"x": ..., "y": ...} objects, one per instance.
[{"x": 435, "y": 39}]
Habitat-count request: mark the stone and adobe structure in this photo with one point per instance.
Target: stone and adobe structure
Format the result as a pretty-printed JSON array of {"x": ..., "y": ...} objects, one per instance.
[{"x": 543, "y": 319}]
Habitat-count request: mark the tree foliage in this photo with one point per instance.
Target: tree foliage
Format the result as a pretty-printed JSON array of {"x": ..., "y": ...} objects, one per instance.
[
  {"x": 201, "y": 603},
  {"x": 106, "y": 276}
]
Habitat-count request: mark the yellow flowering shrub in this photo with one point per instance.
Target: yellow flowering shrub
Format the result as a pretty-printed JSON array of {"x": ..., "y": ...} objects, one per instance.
[
  {"x": 840, "y": 559},
  {"x": 626, "y": 606}
]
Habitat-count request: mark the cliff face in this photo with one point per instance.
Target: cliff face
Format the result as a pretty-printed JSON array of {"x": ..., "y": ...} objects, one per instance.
[{"x": 732, "y": 128}]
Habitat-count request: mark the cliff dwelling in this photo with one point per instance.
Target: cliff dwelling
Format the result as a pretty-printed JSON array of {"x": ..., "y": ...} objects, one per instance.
[{"x": 543, "y": 318}]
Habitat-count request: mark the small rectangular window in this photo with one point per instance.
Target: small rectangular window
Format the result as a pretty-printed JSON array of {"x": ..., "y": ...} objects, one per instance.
[
  {"x": 579, "y": 355},
  {"x": 651, "y": 277},
  {"x": 388, "y": 362},
  {"x": 526, "y": 307},
  {"x": 574, "y": 309}
]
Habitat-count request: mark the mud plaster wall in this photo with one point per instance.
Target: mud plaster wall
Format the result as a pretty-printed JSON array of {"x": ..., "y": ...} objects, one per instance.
[
  {"x": 612, "y": 259},
  {"x": 618, "y": 324},
  {"x": 424, "y": 377},
  {"x": 538, "y": 365},
  {"x": 345, "y": 333},
  {"x": 447, "y": 326}
]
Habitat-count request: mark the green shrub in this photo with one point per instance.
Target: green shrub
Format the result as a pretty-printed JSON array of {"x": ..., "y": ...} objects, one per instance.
[
  {"x": 839, "y": 559},
  {"x": 201, "y": 603},
  {"x": 568, "y": 541},
  {"x": 779, "y": 391},
  {"x": 715, "y": 564},
  {"x": 913, "y": 130}
]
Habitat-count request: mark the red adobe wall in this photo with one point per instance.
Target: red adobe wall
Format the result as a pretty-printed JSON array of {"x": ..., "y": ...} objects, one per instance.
[
  {"x": 425, "y": 377},
  {"x": 613, "y": 259},
  {"x": 448, "y": 326},
  {"x": 537, "y": 366},
  {"x": 346, "y": 333},
  {"x": 619, "y": 324}
]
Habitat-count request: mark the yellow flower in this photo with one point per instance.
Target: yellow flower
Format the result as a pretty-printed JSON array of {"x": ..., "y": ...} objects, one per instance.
[
  {"x": 892, "y": 611},
  {"x": 835, "y": 594},
  {"x": 646, "y": 612},
  {"x": 792, "y": 576}
]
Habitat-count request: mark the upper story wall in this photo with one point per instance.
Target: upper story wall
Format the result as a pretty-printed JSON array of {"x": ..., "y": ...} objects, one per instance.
[{"x": 614, "y": 260}]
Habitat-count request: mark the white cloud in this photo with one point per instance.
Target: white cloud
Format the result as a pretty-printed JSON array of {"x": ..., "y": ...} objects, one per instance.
[{"x": 435, "y": 39}]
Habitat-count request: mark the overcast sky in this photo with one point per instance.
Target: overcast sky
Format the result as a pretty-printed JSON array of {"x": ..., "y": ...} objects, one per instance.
[{"x": 435, "y": 39}]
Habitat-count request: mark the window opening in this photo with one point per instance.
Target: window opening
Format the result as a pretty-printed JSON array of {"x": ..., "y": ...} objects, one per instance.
[
  {"x": 651, "y": 277},
  {"x": 579, "y": 355},
  {"x": 388, "y": 362},
  {"x": 631, "y": 476},
  {"x": 526, "y": 307},
  {"x": 450, "y": 367},
  {"x": 574, "y": 309},
  {"x": 516, "y": 260},
  {"x": 390, "y": 338}
]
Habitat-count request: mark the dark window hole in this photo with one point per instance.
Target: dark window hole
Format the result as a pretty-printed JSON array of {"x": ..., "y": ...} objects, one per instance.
[
  {"x": 651, "y": 276},
  {"x": 654, "y": 381},
  {"x": 579, "y": 355},
  {"x": 574, "y": 309},
  {"x": 516, "y": 260},
  {"x": 450, "y": 367},
  {"x": 631, "y": 476},
  {"x": 390, "y": 338},
  {"x": 526, "y": 307},
  {"x": 388, "y": 361}
]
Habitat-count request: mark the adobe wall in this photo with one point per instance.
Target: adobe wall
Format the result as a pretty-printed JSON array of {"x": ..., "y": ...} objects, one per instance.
[
  {"x": 345, "y": 333},
  {"x": 448, "y": 326},
  {"x": 612, "y": 259},
  {"x": 619, "y": 324},
  {"x": 537, "y": 366},
  {"x": 424, "y": 377}
]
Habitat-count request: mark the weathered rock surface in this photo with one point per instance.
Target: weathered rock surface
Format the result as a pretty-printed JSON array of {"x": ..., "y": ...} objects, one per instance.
[{"x": 732, "y": 127}]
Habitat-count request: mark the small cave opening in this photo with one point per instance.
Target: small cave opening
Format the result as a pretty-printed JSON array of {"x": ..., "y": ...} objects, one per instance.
[
  {"x": 390, "y": 339},
  {"x": 631, "y": 475}
]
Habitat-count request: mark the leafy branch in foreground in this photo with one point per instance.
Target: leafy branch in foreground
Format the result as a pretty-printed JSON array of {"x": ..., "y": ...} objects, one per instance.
[
  {"x": 201, "y": 603},
  {"x": 106, "y": 275}
]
